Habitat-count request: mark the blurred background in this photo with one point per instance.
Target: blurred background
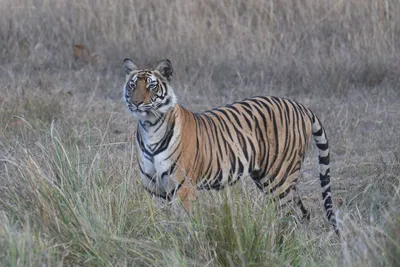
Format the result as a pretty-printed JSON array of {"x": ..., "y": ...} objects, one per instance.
[{"x": 66, "y": 139}]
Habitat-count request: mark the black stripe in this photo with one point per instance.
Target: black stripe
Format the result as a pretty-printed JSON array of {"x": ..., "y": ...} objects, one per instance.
[
  {"x": 306, "y": 138},
  {"x": 196, "y": 157},
  {"x": 173, "y": 152},
  {"x": 232, "y": 161},
  {"x": 244, "y": 115},
  {"x": 147, "y": 154},
  {"x": 319, "y": 132},
  {"x": 258, "y": 185},
  {"x": 161, "y": 124},
  {"x": 172, "y": 193},
  {"x": 217, "y": 132},
  {"x": 276, "y": 138},
  {"x": 216, "y": 182},
  {"x": 213, "y": 183},
  {"x": 286, "y": 192},
  {"x": 208, "y": 129},
  {"x": 238, "y": 132},
  {"x": 218, "y": 117},
  {"x": 283, "y": 177},
  {"x": 208, "y": 170},
  {"x": 226, "y": 126},
  {"x": 253, "y": 153},
  {"x": 324, "y": 160},
  {"x": 235, "y": 181},
  {"x": 232, "y": 106},
  {"x": 170, "y": 170},
  {"x": 261, "y": 136},
  {"x": 145, "y": 174},
  {"x": 324, "y": 179},
  {"x": 220, "y": 129},
  {"x": 323, "y": 146},
  {"x": 279, "y": 108},
  {"x": 163, "y": 144},
  {"x": 240, "y": 168}
]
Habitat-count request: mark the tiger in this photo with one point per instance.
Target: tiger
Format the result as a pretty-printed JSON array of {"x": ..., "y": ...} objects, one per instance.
[{"x": 264, "y": 138}]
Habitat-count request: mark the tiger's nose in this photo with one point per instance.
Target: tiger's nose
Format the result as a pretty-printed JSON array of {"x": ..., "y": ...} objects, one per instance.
[{"x": 137, "y": 102}]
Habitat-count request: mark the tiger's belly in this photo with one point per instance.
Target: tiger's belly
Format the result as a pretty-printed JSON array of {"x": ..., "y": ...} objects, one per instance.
[{"x": 226, "y": 175}]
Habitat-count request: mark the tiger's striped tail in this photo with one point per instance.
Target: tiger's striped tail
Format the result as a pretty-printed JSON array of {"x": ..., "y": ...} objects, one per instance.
[{"x": 321, "y": 140}]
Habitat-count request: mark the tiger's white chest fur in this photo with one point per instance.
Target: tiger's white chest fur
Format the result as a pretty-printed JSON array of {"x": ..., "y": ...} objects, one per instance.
[
  {"x": 156, "y": 169},
  {"x": 152, "y": 174}
]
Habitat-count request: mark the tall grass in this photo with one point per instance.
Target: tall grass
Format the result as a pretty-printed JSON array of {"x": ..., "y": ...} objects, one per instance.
[
  {"x": 69, "y": 190},
  {"x": 84, "y": 213}
]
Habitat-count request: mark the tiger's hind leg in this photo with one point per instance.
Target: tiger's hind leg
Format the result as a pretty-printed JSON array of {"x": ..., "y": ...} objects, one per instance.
[
  {"x": 282, "y": 198},
  {"x": 294, "y": 198},
  {"x": 289, "y": 197},
  {"x": 304, "y": 211},
  {"x": 289, "y": 205}
]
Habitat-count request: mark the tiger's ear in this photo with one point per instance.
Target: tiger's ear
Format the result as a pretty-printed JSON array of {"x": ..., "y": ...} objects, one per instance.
[
  {"x": 165, "y": 68},
  {"x": 129, "y": 66}
]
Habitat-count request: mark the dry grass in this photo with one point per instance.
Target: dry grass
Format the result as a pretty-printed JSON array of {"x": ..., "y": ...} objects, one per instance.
[{"x": 69, "y": 193}]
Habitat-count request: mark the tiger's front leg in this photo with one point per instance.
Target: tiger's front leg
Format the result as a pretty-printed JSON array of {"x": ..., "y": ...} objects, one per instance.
[
  {"x": 185, "y": 191},
  {"x": 171, "y": 186},
  {"x": 186, "y": 195}
]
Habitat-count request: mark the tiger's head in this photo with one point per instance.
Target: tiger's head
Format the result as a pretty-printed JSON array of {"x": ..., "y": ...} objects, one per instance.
[{"x": 147, "y": 92}]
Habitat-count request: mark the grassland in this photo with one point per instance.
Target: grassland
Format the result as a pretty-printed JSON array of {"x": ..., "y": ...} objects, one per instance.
[{"x": 69, "y": 190}]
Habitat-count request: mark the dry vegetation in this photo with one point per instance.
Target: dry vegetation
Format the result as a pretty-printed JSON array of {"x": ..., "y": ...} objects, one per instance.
[{"x": 69, "y": 193}]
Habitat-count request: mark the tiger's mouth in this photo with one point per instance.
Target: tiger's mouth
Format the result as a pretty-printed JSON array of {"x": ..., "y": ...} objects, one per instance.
[
  {"x": 142, "y": 109},
  {"x": 134, "y": 108}
]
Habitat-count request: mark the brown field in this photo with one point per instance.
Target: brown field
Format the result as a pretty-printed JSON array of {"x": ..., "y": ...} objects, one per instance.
[{"x": 69, "y": 190}]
